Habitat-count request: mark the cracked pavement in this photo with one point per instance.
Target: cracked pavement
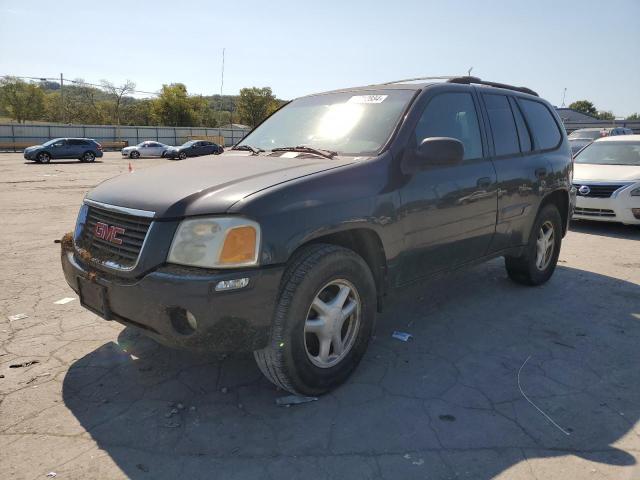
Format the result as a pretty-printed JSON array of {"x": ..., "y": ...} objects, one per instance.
[{"x": 104, "y": 402}]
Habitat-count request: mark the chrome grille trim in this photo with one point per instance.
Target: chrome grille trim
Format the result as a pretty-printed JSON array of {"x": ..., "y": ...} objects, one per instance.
[{"x": 594, "y": 212}]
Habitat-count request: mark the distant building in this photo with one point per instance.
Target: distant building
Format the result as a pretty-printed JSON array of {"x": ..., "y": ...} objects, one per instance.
[{"x": 569, "y": 115}]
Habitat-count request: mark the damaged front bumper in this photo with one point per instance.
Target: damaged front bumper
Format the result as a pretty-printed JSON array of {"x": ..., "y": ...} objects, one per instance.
[{"x": 179, "y": 306}]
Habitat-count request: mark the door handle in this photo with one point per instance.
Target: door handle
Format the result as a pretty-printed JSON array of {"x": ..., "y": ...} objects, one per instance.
[
  {"x": 484, "y": 183},
  {"x": 541, "y": 172}
]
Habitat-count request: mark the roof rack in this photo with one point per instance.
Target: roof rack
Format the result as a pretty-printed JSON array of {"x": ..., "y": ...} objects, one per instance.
[
  {"x": 476, "y": 80},
  {"x": 466, "y": 81}
]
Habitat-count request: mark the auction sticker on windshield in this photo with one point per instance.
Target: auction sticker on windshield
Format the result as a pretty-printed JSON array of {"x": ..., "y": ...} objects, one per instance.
[{"x": 367, "y": 99}]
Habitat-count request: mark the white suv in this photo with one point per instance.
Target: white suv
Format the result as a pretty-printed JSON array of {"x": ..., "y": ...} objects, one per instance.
[{"x": 607, "y": 179}]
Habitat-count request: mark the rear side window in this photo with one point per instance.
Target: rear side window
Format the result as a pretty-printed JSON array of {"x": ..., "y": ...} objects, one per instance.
[
  {"x": 503, "y": 126},
  {"x": 452, "y": 115},
  {"x": 523, "y": 132},
  {"x": 543, "y": 126}
]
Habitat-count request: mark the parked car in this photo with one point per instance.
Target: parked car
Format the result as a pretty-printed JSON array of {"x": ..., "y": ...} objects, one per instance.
[
  {"x": 84, "y": 149},
  {"x": 578, "y": 144},
  {"x": 607, "y": 179},
  {"x": 194, "y": 148},
  {"x": 146, "y": 149},
  {"x": 593, "y": 133},
  {"x": 288, "y": 244}
]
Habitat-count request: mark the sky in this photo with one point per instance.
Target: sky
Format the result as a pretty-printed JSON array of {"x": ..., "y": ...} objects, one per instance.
[{"x": 295, "y": 47}]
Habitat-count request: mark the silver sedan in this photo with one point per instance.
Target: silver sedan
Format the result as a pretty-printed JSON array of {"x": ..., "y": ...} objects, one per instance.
[{"x": 145, "y": 149}]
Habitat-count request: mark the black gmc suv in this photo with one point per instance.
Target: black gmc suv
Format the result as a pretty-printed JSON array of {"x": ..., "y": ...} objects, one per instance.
[{"x": 288, "y": 244}]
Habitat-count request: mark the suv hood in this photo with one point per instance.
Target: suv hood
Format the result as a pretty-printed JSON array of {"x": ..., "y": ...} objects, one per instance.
[
  {"x": 206, "y": 185},
  {"x": 605, "y": 173}
]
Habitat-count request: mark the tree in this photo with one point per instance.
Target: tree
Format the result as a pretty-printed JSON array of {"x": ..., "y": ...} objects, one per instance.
[
  {"x": 21, "y": 100},
  {"x": 584, "y": 106},
  {"x": 634, "y": 116},
  {"x": 173, "y": 106},
  {"x": 605, "y": 115},
  {"x": 118, "y": 92},
  {"x": 255, "y": 104}
]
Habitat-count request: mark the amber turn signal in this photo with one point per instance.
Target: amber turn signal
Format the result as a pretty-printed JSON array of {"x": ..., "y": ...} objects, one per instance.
[{"x": 239, "y": 245}]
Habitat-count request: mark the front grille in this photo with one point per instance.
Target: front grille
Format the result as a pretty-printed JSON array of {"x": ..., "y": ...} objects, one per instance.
[
  {"x": 598, "y": 191},
  {"x": 124, "y": 255},
  {"x": 594, "y": 212}
]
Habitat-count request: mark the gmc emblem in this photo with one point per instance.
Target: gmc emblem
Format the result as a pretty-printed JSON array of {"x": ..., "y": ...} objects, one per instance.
[{"x": 108, "y": 232}]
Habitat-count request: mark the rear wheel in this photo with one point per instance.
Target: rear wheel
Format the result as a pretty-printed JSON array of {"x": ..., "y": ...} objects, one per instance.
[
  {"x": 538, "y": 262},
  {"x": 322, "y": 322},
  {"x": 134, "y": 155},
  {"x": 88, "y": 157},
  {"x": 43, "y": 157}
]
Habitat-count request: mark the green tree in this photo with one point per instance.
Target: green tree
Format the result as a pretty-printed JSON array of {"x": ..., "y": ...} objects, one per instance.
[
  {"x": 255, "y": 104},
  {"x": 584, "y": 106},
  {"x": 173, "y": 106},
  {"x": 606, "y": 115},
  {"x": 21, "y": 100},
  {"x": 634, "y": 116}
]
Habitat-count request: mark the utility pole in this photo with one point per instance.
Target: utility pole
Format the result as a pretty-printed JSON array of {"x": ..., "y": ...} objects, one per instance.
[
  {"x": 222, "y": 78},
  {"x": 61, "y": 98}
]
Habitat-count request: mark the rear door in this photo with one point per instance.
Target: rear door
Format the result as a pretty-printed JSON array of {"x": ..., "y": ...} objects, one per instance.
[
  {"x": 448, "y": 211},
  {"x": 522, "y": 167}
]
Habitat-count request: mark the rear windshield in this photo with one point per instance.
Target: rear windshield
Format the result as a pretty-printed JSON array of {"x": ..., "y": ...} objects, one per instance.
[
  {"x": 611, "y": 153},
  {"x": 350, "y": 123},
  {"x": 592, "y": 134}
]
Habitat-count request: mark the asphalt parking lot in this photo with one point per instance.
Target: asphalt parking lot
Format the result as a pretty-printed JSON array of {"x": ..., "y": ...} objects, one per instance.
[{"x": 101, "y": 402}]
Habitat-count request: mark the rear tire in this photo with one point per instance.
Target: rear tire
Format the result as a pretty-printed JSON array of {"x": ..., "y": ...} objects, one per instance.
[
  {"x": 43, "y": 157},
  {"x": 322, "y": 322},
  {"x": 540, "y": 257},
  {"x": 88, "y": 157}
]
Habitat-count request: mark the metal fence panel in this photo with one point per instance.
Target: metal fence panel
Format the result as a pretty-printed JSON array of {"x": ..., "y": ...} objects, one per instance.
[{"x": 14, "y": 136}]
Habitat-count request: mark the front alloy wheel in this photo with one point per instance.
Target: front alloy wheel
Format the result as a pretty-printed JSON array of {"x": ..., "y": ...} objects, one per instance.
[
  {"x": 182, "y": 155},
  {"x": 43, "y": 157}
]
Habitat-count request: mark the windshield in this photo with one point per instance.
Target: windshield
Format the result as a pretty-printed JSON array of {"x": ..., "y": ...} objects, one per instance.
[
  {"x": 51, "y": 142},
  {"x": 350, "y": 123},
  {"x": 611, "y": 153},
  {"x": 592, "y": 134}
]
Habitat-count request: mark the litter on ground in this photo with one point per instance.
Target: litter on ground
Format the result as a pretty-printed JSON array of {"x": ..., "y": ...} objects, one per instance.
[
  {"x": 17, "y": 316},
  {"x": 24, "y": 364},
  {"x": 64, "y": 300},
  {"x": 294, "y": 400},
  {"x": 402, "y": 336}
]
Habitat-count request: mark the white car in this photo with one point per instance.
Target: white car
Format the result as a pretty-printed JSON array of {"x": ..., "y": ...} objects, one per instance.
[
  {"x": 607, "y": 179},
  {"x": 146, "y": 149}
]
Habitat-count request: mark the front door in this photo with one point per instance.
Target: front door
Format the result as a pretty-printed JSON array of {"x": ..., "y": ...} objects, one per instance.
[
  {"x": 60, "y": 149},
  {"x": 448, "y": 212}
]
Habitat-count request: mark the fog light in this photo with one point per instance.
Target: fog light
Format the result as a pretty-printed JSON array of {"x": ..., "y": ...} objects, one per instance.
[
  {"x": 232, "y": 284},
  {"x": 182, "y": 320},
  {"x": 636, "y": 212}
]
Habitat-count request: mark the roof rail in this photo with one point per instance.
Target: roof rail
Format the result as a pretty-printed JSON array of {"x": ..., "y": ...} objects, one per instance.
[
  {"x": 405, "y": 80},
  {"x": 476, "y": 80}
]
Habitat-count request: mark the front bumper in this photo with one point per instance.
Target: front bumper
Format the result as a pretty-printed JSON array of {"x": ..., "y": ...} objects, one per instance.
[
  {"x": 617, "y": 208},
  {"x": 228, "y": 321}
]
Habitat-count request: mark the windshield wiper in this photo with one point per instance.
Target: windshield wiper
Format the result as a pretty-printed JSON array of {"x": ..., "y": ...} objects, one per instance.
[
  {"x": 253, "y": 150},
  {"x": 304, "y": 149}
]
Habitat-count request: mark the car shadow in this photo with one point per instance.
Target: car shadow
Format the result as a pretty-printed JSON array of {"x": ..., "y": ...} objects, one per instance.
[
  {"x": 606, "y": 229},
  {"x": 447, "y": 403},
  {"x": 62, "y": 162}
]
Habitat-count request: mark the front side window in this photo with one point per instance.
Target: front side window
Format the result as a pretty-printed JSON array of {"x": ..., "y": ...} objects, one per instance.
[
  {"x": 351, "y": 123},
  {"x": 452, "y": 115},
  {"x": 610, "y": 153},
  {"x": 545, "y": 131},
  {"x": 503, "y": 126}
]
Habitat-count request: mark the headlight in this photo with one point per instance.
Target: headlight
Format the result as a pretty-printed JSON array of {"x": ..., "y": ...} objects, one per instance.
[
  {"x": 216, "y": 242},
  {"x": 635, "y": 192}
]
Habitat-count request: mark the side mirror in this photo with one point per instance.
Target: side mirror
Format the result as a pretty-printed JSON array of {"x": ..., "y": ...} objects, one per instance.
[{"x": 439, "y": 151}]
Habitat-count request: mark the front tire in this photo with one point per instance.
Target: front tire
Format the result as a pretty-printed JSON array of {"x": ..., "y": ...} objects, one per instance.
[
  {"x": 538, "y": 262},
  {"x": 134, "y": 155},
  {"x": 323, "y": 320},
  {"x": 182, "y": 155},
  {"x": 43, "y": 157}
]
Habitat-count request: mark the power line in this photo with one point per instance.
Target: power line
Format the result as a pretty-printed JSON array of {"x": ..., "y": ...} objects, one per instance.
[{"x": 76, "y": 82}]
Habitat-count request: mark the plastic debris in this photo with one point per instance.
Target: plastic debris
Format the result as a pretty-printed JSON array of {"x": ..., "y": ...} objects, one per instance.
[
  {"x": 17, "y": 316},
  {"x": 24, "y": 364},
  {"x": 64, "y": 300},
  {"x": 402, "y": 336},
  {"x": 294, "y": 400},
  {"x": 52, "y": 474}
]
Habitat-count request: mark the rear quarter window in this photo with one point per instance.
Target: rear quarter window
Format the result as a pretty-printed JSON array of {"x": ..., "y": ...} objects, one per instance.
[{"x": 545, "y": 131}]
